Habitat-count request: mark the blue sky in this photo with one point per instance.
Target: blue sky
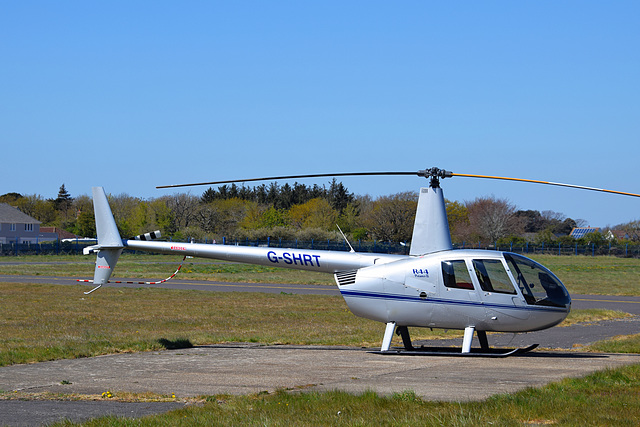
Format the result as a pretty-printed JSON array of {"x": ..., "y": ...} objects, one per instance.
[{"x": 131, "y": 95}]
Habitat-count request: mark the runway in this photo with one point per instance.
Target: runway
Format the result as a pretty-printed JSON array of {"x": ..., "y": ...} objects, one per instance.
[{"x": 249, "y": 368}]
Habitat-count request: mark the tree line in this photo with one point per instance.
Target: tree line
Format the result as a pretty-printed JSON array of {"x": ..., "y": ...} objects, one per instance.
[{"x": 302, "y": 212}]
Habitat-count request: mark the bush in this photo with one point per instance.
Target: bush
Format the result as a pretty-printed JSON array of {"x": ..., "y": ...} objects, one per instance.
[
  {"x": 308, "y": 234},
  {"x": 276, "y": 233}
]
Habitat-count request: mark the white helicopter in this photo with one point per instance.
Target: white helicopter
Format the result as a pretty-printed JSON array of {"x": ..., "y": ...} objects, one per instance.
[{"x": 435, "y": 286}]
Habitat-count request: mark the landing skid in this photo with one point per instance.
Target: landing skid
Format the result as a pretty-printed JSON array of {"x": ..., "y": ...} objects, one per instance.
[
  {"x": 456, "y": 351},
  {"x": 465, "y": 350}
]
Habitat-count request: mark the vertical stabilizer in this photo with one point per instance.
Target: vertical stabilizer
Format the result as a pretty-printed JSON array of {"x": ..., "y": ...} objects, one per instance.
[
  {"x": 431, "y": 228},
  {"x": 108, "y": 235},
  {"x": 109, "y": 245}
]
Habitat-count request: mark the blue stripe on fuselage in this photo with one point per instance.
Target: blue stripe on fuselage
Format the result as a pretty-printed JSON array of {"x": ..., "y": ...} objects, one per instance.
[{"x": 395, "y": 297}]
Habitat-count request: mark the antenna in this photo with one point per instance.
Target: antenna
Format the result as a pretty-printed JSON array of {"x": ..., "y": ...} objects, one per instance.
[{"x": 345, "y": 239}]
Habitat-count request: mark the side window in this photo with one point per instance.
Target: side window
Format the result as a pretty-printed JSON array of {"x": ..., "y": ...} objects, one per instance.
[
  {"x": 456, "y": 275},
  {"x": 492, "y": 276}
]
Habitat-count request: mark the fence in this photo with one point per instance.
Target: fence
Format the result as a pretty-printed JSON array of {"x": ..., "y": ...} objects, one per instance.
[
  {"x": 55, "y": 247},
  {"x": 626, "y": 250},
  {"x": 622, "y": 250}
]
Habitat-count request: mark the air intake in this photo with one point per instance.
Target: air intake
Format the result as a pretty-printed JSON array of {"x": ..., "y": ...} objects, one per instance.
[{"x": 344, "y": 278}]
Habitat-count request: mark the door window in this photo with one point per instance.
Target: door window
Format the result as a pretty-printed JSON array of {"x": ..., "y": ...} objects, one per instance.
[{"x": 492, "y": 276}]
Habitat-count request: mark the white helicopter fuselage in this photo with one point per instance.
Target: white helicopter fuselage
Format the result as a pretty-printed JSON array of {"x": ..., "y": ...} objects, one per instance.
[{"x": 414, "y": 292}]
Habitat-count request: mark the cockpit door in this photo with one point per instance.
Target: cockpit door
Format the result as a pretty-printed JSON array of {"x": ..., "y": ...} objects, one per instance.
[
  {"x": 458, "y": 296},
  {"x": 501, "y": 300}
]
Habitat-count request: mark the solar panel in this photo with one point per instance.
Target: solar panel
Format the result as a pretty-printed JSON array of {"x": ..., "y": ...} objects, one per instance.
[{"x": 579, "y": 232}]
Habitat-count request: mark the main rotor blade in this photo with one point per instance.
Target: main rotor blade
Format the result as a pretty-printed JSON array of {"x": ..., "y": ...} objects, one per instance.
[
  {"x": 582, "y": 187},
  {"x": 426, "y": 173},
  {"x": 276, "y": 178}
]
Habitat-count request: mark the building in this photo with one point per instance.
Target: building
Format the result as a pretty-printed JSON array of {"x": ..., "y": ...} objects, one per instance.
[
  {"x": 55, "y": 233},
  {"x": 16, "y": 226},
  {"x": 613, "y": 235}
]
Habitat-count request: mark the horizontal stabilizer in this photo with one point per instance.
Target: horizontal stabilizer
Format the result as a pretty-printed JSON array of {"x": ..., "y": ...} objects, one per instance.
[{"x": 87, "y": 250}]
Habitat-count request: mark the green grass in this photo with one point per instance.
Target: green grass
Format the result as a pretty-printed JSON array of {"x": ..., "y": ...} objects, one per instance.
[
  {"x": 43, "y": 322},
  {"x": 593, "y": 315},
  {"x": 610, "y": 398},
  {"x": 51, "y": 322},
  {"x": 619, "y": 344},
  {"x": 601, "y": 275},
  {"x": 46, "y": 322}
]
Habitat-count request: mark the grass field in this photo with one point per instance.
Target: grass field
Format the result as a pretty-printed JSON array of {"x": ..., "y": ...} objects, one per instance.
[
  {"x": 44, "y": 322},
  {"x": 601, "y": 275},
  {"x": 47, "y": 322}
]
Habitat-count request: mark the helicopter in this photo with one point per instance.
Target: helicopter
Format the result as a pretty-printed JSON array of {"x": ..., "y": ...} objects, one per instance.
[{"x": 434, "y": 286}]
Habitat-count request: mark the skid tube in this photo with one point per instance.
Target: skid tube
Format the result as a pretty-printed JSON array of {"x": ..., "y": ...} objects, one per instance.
[
  {"x": 456, "y": 351},
  {"x": 464, "y": 351}
]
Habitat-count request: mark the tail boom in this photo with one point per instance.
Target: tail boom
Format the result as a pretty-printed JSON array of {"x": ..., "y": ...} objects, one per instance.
[{"x": 301, "y": 259}]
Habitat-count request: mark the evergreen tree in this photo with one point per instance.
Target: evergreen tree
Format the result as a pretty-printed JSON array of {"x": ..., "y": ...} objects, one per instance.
[
  {"x": 209, "y": 195},
  {"x": 338, "y": 196},
  {"x": 62, "y": 204},
  {"x": 64, "y": 199}
]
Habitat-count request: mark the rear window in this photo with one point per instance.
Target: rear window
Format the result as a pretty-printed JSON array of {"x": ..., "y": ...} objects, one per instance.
[{"x": 456, "y": 275}]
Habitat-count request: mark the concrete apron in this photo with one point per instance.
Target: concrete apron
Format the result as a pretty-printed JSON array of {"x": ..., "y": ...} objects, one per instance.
[{"x": 248, "y": 368}]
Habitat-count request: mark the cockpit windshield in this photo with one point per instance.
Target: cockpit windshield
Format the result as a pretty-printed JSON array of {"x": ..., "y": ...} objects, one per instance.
[{"x": 538, "y": 285}]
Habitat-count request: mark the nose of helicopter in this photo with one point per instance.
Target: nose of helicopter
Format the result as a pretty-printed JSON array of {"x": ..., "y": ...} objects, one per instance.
[{"x": 547, "y": 317}]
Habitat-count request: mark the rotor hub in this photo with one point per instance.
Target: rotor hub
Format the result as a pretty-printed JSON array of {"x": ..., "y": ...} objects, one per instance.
[{"x": 435, "y": 174}]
